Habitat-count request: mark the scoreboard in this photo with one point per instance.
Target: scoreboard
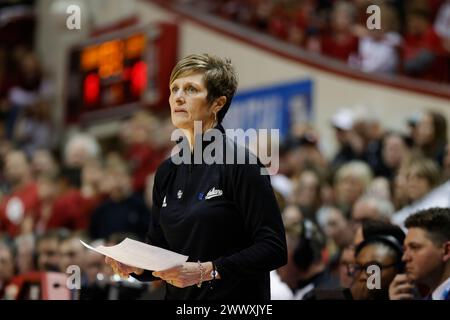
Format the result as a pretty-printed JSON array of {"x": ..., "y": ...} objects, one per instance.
[{"x": 113, "y": 75}]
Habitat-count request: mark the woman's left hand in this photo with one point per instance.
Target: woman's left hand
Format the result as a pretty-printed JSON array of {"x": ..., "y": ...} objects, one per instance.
[{"x": 182, "y": 276}]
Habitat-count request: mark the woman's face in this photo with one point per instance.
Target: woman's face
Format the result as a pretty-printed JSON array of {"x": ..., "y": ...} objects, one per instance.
[
  {"x": 401, "y": 187},
  {"x": 425, "y": 130},
  {"x": 188, "y": 102},
  {"x": 308, "y": 189},
  {"x": 417, "y": 186},
  {"x": 349, "y": 189},
  {"x": 393, "y": 151},
  {"x": 292, "y": 216},
  {"x": 337, "y": 228},
  {"x": 341, "y": 20}
]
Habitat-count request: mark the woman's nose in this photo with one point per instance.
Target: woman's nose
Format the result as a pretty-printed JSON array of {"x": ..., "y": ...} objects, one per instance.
[
  {"x": 179, "y": 93},
  {"x": 178, "y": 96}
]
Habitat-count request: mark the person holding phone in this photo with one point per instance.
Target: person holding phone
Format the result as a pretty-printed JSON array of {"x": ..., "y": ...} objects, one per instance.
[{"x": 426, "y": 257}]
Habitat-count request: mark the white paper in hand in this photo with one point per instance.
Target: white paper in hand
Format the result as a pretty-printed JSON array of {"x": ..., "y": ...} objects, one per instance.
[{"x": 141, "y": 255}]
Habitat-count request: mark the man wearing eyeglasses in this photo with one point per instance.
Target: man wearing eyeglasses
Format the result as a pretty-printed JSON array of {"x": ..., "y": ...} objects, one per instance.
[
  {"x": 426, "y": 257},
  {"x": 377, "y": 262}
]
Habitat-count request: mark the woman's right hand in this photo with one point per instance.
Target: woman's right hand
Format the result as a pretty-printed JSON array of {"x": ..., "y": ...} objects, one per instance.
[{"x": 121, "y": 269}]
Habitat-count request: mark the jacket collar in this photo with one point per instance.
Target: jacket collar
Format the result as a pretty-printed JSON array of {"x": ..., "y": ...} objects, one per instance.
[{"x": 183, "y": 143}]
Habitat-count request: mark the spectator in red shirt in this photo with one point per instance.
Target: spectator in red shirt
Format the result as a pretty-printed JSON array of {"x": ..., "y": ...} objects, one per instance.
[
  {"x": 48, "y": 193},
  {"x": 72, "y": 209},
  {"x": 340, "y": 43},
  {"x": 422, "y": 49},
  {"x": 142, "y": 157},
  {"x": 77, "y": 186},
  {"x": 44, "y": 163},
  {"x": 65, "y": 209},
  {"x": 278, "y": 23},
  {"x": 18, "y": 209}
]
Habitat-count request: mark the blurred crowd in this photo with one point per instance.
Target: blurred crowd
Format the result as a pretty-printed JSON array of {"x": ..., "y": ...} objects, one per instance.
[
  {"x": 55, "y": 190},
  {"x": 376, "y": 180},
  {"x": 102, "y": 193},
  {"x": 414, "y": 39},
  {"x": 52, "y": 199}
]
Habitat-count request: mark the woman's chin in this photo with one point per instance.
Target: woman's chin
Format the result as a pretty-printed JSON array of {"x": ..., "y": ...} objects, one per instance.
[{"x": 181, "y": 122}]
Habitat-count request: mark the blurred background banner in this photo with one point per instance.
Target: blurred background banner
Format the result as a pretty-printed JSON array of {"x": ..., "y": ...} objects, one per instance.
[{"x": 272, "y": 107}]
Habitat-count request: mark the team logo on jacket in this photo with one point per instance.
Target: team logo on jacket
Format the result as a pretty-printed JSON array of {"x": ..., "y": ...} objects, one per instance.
[
  {"x": 164, "y": 204},
  {"x": 213, "y": 193}
]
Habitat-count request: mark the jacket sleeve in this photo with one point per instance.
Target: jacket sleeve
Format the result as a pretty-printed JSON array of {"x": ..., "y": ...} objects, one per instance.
[{"x": 256, "y": 201}]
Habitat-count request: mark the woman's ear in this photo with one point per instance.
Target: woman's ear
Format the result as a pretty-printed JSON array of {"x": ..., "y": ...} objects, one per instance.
[{"x": 219, "y": 103}]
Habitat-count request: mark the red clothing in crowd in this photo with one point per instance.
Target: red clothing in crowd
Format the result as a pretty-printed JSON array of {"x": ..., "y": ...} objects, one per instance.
[
  {"x": 72, "y": 211},
  {"x": 143, "y": 160},
  {"x": 278, "y": 24},
  {"x": 339, "y": 49},
  {"x": 18, "y": 205},
  {"x": 429, "y": 40}
]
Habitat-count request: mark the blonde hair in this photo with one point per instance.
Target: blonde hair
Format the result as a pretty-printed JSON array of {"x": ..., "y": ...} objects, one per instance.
[
  {"x": 425, "y": 168},
  {"x": 357, "y": 169}
]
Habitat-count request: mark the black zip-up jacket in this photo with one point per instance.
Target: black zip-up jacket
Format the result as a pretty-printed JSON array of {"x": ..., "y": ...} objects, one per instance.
[{"x": 225, "y": 213}]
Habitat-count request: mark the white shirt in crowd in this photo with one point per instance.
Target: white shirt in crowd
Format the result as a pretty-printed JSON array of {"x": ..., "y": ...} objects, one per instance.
[
  {"x": 378, "y": 55},
  {"x": 442, "y": 22},
  {"x": 442, "y": 292},
  {"x": 438, "y": 197},
  {"x": 278, "y": 289}
]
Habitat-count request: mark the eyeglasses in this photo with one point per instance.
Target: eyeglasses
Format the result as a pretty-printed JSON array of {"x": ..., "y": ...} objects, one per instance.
[{"x": 354, "y": 269}]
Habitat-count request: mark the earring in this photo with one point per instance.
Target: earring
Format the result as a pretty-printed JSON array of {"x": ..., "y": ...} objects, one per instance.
[{"x": 215, "y": 116}]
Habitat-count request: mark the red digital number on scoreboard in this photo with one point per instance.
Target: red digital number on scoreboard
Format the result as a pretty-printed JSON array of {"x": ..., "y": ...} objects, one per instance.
[{"x": 116, "y": 72}]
